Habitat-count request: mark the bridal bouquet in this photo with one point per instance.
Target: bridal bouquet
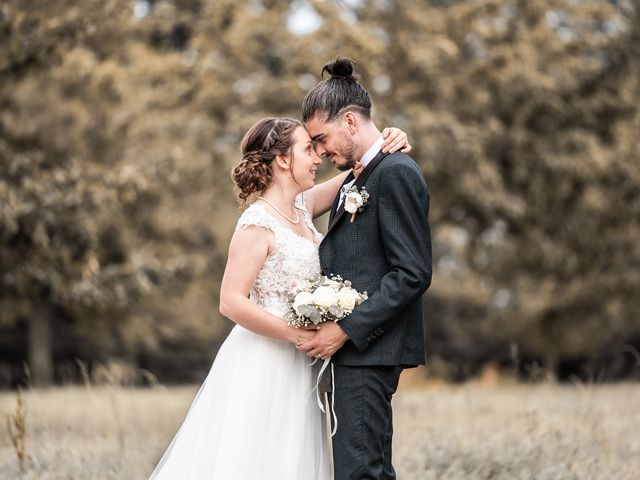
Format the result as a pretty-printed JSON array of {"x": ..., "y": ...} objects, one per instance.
[{"x": 325, "y": 299}]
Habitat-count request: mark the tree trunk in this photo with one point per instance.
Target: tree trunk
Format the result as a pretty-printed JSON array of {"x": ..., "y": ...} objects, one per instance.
[{"x": 40, "y": 348}]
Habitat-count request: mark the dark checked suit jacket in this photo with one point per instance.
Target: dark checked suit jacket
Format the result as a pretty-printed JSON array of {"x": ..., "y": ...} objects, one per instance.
[{"x": 386, "y": 252}]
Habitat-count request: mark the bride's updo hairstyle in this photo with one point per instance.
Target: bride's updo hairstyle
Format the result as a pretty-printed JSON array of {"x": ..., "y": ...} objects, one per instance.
[
  {"x": 337, "y": 94},
  {"x": 261, "y": 144}
]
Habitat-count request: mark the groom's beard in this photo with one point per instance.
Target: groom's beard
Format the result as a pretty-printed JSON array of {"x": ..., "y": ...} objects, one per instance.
[{"x": 348, "y": 153}]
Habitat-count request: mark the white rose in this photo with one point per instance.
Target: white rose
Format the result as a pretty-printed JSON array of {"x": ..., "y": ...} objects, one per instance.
[
  {"x": 302, "y": 298},
  {"x": 347, "y": 298},
  {"x": 325, "y": 296},
  {"x": 353, "y": 202}
]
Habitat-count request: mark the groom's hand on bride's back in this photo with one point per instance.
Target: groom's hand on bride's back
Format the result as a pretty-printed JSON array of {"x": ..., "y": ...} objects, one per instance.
[{"x": 327, "y": 341}]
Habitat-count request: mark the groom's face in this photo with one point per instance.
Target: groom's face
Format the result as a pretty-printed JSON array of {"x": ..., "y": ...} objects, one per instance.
[{"x": 333, "y": 142}]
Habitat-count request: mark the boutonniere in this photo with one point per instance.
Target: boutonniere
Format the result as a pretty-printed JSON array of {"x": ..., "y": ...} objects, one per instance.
[{"x": 355, "y": 201}]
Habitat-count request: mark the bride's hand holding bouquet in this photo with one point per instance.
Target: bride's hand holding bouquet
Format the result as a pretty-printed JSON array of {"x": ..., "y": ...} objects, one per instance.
[{"x": 319, "y": 305}]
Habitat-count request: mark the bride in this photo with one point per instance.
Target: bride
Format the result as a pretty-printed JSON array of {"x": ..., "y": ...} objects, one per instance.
[{"x": 252, "y": 417}]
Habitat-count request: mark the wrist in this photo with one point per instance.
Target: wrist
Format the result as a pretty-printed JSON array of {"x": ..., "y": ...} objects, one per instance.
[
  {"x": 291, "y": 334},
  {"x": 343, "y": 334}
]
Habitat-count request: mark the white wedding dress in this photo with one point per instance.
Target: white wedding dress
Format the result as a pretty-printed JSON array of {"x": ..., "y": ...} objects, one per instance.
[{"x": 254, "y": 417}]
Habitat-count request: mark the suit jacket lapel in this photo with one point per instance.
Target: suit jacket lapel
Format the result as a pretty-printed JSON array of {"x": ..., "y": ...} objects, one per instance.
[
  {"x": 358, "y": 183},
  {"x": 334, "y": 207}
]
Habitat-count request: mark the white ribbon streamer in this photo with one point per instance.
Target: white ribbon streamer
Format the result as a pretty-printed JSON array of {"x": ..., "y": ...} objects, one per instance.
[{"x": 326, "y": 363}]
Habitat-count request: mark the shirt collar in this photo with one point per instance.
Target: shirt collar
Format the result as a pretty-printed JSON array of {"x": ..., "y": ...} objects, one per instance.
[{"x": 372, "y": 152}]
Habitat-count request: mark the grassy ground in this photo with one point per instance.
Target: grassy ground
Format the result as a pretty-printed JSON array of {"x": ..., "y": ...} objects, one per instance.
[{"x": 442, "y": 432}]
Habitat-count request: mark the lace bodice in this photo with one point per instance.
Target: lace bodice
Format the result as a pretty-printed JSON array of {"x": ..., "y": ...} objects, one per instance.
[{"x": 294, "y": 258}]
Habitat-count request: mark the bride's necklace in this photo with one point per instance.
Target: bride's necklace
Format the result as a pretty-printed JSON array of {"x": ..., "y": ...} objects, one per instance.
[{"x": 295, "y": 222}]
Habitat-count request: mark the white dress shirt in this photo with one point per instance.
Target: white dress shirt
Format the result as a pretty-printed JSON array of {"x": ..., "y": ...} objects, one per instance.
[{"x": 366, "y": 158}]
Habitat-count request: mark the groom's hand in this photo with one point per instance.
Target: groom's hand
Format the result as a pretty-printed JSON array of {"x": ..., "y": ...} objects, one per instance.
[{"x": 327, "y": 341}]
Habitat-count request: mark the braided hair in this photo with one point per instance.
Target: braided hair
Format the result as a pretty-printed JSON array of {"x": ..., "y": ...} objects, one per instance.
[{"x": 261, "y": 144}]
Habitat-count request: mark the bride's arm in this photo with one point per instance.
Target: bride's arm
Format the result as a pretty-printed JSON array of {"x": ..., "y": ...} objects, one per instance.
[
  {"x": 248, "y": 251},
  {"x": 320, "y": 198}
]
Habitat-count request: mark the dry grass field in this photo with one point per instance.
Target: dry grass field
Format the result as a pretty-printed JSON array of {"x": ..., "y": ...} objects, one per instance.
[{"x": 469, "y": 431}]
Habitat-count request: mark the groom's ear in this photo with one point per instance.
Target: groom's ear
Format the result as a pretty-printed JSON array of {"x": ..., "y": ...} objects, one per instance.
[{"x": 351, "y": 120}]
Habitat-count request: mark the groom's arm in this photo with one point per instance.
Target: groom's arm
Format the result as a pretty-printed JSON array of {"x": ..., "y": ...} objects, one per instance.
[{"x": 403, "y": 214}]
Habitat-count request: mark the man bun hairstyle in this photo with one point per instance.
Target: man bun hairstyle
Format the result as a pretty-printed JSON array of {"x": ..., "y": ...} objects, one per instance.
[
  {"x": 260, "y": 145},
  {"x": 337, "y": 94},
  {"x": 341, "y": 67}
]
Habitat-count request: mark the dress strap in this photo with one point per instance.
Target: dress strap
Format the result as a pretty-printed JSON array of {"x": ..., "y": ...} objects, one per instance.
[
  {"x": 299, "y": 202},
  {"x": 308, "y": 218}
]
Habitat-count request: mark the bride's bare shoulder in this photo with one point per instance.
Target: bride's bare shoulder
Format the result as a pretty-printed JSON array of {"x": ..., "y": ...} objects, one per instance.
[{"x": 255, "y": 228}]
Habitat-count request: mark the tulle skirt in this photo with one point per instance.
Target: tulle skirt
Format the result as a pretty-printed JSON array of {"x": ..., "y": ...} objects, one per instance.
[{"x": 253, "y": 418}]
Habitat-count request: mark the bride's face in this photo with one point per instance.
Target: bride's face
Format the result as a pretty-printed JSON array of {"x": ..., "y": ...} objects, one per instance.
[{"x": 305, "y": 160}]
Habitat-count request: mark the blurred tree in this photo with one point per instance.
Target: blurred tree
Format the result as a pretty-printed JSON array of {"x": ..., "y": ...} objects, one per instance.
[
  {"x": 523, "y": 115},
  {"x": 91, "y": 174},
  {"x": 121, "y": 120}
]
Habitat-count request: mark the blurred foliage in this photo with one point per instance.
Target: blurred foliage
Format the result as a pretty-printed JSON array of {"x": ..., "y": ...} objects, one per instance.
[{"x": 120, "y": 121}]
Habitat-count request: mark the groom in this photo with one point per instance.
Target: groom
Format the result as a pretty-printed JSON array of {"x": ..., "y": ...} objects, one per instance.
[{"x": 385, "y": 250}]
